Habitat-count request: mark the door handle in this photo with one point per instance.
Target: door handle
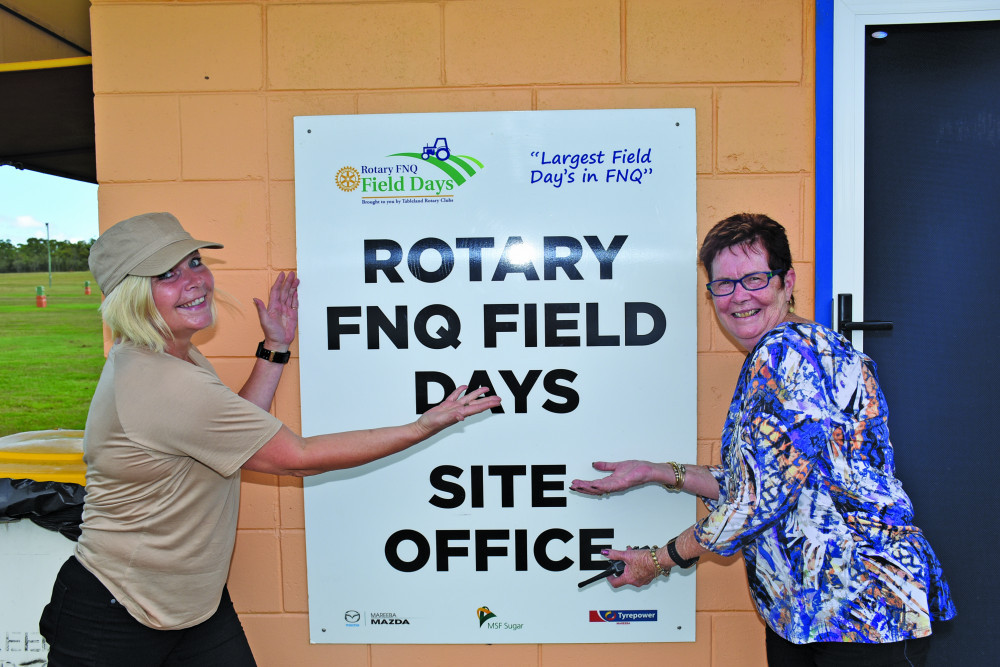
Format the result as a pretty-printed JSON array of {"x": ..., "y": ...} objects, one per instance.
[{"x": 844, "y": 324}]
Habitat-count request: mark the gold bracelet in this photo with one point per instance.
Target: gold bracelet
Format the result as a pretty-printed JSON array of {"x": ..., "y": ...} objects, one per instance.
[
  {"x": 656, "y": 562},
  {"x": 679, "y": 473}
]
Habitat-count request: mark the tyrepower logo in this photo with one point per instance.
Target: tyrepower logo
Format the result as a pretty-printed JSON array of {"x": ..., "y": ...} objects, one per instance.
[{"x": 623, "y": 616}]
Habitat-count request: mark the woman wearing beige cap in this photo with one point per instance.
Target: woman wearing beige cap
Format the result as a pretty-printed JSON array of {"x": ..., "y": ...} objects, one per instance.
[{"x": 164, "y": 445}]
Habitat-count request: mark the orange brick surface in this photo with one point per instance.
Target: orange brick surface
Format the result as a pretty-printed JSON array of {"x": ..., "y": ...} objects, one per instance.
[
  {"x": 722, "y": 584},
  {"x": 765, "y": 129},
  {"x": 431, "y": 101},
  {"x": 777, "y": 195},
  {"x": 160, "y": 47},
  {"x": 259, "y": 501},
  {"x": 714, "y": 40},
  {"x": 255, "y": 574},
  {"x": 716, "y": 380},
  {"x": 286, "y": 406},
  {"x": 221, "y": 137},
  {"x": 507, "y": 42},
  {"x": 281, "y": 231},
  {"x": 145, "y": 144},
  {"x": 282, "y": 640},
  {"x": 294, "y": 580},
  {"x": 706, "y": 316},
  {"x": 348, "y": 46},
  {"x": 497, "y": 655},
  {"x": 281, "y": 112},
  {"x": 290, "y": 497},
  {"x": 738, "y": 640}
]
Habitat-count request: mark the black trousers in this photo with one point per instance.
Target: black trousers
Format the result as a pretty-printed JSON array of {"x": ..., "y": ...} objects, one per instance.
[
  {"x": 783, "y": 653},
  {"x": 86, "y": 627}
]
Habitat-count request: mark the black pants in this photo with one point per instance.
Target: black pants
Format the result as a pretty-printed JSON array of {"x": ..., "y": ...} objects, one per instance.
[
  {"x": 86, "y": 627},
  {"x": 783, "y": 653}
]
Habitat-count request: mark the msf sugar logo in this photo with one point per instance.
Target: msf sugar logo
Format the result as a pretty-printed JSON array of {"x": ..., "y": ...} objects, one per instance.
[{"x": 485, "y": 615}]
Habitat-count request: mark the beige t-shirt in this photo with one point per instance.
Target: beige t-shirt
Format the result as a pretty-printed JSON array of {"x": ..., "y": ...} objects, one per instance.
[{"x": 164, "y": 443}]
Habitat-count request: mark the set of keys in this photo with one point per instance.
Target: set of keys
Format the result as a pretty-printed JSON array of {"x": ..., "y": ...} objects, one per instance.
[{"x": 615, "y": 569}]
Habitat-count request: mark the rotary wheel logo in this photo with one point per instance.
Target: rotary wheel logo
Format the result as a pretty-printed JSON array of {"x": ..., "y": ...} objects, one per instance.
[{"x": 348, "y": 179}]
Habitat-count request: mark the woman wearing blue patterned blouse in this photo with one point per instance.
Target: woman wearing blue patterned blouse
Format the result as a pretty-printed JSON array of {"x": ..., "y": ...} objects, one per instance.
[{"x": 806, "y": 488}]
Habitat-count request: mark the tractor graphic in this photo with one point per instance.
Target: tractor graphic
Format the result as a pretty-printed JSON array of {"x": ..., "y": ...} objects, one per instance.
[{"x": 439, "y": 150}]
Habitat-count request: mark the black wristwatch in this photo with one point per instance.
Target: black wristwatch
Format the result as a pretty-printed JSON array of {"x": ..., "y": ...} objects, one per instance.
[
  {"x": 271, "y": 355},
  {"x": 676, "y": 557}
]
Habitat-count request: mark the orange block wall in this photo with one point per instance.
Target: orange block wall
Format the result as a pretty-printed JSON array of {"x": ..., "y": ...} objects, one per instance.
[{"x": 194, "y": 106}]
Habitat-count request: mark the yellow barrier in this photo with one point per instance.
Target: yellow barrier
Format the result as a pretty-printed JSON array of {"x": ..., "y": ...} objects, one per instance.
[{"x": 44, "y": 456}]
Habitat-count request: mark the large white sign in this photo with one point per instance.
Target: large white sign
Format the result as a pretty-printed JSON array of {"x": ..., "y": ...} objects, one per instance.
[{"x": 552, "y": 257}]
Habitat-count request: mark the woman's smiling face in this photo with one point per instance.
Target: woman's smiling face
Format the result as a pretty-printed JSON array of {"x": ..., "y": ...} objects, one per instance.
[
  {"x": 747, "y": 315},
  {"x": 183, "y": 296}
]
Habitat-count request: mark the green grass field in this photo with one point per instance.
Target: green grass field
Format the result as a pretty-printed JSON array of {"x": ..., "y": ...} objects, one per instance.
[{"x": 50, "y": 358}]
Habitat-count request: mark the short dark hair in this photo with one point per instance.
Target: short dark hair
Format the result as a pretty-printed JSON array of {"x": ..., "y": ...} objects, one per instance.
[{"x": 746, "y": 229}]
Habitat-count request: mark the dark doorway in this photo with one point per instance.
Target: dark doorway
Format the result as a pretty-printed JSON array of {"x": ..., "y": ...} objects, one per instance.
[{"x": 932, "y": 232}]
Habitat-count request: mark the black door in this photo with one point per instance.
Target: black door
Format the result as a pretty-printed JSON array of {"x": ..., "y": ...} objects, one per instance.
[{"x": 932, "y": 235}]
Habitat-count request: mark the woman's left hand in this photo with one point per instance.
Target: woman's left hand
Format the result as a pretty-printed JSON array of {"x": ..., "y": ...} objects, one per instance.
[
  {"x": 639, "y": 567},
  {"x": 280, "y": 317},
  {"x": 624, "y": 475}
]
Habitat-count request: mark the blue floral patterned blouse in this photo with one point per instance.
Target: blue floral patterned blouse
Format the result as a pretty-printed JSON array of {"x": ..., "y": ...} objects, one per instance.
[{"x": 807, "y": 490}]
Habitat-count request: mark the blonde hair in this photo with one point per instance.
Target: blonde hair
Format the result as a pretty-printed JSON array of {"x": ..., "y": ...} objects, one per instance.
[{"x": 131, "y": 314}]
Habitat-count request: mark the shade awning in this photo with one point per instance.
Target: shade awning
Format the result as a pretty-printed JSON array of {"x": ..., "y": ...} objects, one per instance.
[
  {"x": 47, "y": 118},
  {"x": 46, "y": 88}
]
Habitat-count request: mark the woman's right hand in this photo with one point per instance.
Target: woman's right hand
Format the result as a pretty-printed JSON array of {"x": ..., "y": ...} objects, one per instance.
[
  {"x": 624, "y": 475},
  {"x": 639, "y": 567},
  {"x": 279, "y": 318}
]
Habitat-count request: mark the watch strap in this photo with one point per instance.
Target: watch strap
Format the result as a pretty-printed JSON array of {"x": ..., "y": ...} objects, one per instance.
[
  {"x": 271, "y": 355},
  {"x": 676, "y": 557}
]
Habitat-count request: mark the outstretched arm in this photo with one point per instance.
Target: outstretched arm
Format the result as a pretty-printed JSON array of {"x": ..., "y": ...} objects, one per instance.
[
  {"x": 625, "y": 475},
  {"x": 288, "y": 453}
]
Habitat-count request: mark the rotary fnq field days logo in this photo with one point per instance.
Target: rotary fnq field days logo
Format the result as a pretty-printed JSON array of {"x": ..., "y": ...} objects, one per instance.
[{"x": 414, "y": 177}]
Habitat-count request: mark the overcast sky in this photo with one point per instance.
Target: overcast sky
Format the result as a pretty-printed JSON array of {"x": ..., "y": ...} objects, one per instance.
[{"x": 29, "y": 199}]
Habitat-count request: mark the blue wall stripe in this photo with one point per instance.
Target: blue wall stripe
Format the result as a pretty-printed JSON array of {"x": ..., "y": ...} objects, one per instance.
[{"x": 824, "y": 162}]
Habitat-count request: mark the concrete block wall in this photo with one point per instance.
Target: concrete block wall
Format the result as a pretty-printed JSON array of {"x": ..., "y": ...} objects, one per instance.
[{"x": 194, "y": 106}]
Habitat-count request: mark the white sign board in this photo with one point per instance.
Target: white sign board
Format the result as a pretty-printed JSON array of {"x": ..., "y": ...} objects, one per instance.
[{"x": 552, "y": 257}]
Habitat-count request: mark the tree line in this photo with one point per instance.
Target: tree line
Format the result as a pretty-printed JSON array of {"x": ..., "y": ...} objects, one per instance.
[{"x": 33, "y": 256}]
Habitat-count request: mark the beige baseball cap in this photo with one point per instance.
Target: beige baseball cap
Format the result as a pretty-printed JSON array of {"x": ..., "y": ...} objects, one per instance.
[{"x": 144, "y": 245}]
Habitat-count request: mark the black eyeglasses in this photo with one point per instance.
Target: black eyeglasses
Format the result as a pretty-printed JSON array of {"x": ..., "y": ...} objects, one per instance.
[{"x": 751, "y": 282}]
